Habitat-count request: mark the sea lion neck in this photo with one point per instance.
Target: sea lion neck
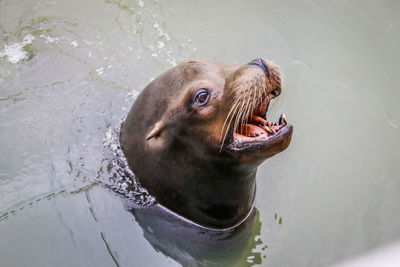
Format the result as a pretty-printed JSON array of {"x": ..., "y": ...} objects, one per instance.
[{"x": 205, "y": 189}]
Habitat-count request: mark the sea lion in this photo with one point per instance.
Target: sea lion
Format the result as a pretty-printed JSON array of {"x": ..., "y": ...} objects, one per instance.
[{"x": 196, "y": 134}]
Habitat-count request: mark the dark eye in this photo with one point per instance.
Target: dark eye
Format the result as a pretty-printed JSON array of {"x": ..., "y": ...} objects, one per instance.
[{"x": 202, "y": 96}]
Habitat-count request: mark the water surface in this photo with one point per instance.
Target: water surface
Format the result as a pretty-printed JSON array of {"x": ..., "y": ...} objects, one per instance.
[{"x": 69, "y": 72}]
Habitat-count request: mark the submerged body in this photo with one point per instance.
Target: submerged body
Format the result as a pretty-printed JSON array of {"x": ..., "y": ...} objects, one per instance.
[{"x": 196, "y": 134}]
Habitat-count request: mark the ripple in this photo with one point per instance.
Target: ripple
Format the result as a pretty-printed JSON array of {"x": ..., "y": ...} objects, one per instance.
[{"x": 122, "y": 180}]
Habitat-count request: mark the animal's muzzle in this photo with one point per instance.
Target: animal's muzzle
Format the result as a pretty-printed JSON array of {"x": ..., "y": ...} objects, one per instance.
[{"x": 260, "y": 63}]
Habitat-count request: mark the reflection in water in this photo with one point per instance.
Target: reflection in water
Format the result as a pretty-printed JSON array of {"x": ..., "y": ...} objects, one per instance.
[{"x": 193, "y": 246}]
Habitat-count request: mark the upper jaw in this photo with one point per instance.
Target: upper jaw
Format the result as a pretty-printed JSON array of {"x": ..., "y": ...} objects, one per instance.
[{"x": 263, "y": 108}]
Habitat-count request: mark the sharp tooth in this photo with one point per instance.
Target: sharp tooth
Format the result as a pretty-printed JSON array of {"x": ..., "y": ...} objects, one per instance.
[
  {"x": 283, "y": 117},
  {"x": 268, "y": 130}
]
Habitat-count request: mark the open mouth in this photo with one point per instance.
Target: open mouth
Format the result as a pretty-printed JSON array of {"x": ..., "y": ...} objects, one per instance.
[
  {"x": 259, "y": 130},
  {"x": 252, "y": 131}
]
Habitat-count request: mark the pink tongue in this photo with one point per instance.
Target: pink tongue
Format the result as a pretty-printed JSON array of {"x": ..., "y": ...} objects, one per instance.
[{"x": 252, "y": 130}]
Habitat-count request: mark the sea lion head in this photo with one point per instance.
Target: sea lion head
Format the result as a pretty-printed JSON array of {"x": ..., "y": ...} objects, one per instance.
[{"x": 197, "y": 133}]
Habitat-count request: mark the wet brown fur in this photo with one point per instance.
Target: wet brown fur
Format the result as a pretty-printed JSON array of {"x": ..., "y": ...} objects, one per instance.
[{"x": 186, "y": 162}]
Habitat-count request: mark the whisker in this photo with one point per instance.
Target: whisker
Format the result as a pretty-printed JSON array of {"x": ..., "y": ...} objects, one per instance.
[
  {"x": 245, "y": 114},
  {"x": 258, "y": 97},
  {"x": 247, "y": 110},
  {"x": 251, "y": 104},
  {"x": 233, "y": 109},
  {"x": 259, "y": 81},
  {"x": 234, "y": 106},
  {"x": 238, "y": 113},
  {"x": 241, "y": 112},
  {"x": 250, "y": 92}
]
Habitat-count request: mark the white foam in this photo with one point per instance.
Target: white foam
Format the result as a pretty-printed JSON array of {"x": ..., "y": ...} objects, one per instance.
[
  {"x": 171, "y": 61},
  {"x": 74, "y": 44},
  {"x": 49, "y": 39},
  {"x": 15, "y": 52},
  {"x": 100, "y": 71},
  {"x": 161, "y": 44}
]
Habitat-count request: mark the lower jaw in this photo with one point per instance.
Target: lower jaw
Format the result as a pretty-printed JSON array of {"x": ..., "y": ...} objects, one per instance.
[
  {"x": 252, "y": 154},
  {"x": 259, "y": 144}
]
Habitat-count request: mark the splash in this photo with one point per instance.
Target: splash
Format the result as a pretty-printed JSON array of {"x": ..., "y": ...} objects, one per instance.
[
  {"x": 17, "y": 51},
  {"x": 122, "y": 179}
]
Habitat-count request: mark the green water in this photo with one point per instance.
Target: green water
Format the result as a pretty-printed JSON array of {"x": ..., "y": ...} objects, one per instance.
[{"x": 70, "y": 70}]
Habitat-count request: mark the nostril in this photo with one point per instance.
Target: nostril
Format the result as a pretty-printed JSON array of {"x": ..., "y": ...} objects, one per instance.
[
  {"x": 257, "y": 61},
  {"x": 275, "y": 92},
  {"x": 260, "y": 63}
]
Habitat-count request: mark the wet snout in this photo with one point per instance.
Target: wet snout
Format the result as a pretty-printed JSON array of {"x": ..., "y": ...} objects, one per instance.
[
  {"x": 272, "y": 74},
  {"x": 260, "y": 63}
]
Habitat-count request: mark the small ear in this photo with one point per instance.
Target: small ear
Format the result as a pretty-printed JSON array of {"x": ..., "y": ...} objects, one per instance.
[{"x": 156, "y": 131}]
